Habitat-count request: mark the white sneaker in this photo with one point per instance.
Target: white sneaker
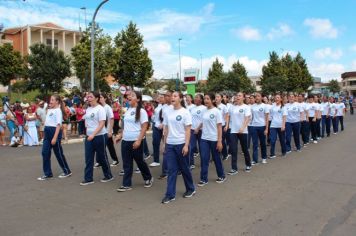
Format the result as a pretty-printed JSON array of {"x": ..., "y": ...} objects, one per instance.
[
  {"x": 315, "y": 141},
  {"x": 264, "y": 161},
  {"x": 154, "y": 164}
]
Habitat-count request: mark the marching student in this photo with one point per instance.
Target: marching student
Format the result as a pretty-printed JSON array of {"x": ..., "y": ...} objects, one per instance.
[
  {"x": 249, "y": 127},
  {"x": 240, "y": 115},
  {"x": 340, "y": 113},
  {"x": 165, "y": 109},
  {"x": 259, "y": 128},
  {"x": 189, "y": 102},
  {"x": 325, "y": 117},
  {"x": 96, "y": 140},
  {"x": 220, "y": 105},
  {"x": 228, "y": 104},
  {"x": 294, "y": 117},
  {"x": 318, "y": 117},
  {"x": 304, "y": 124},
  {"x": 157, "y": 131},
  {"x": 278, "y": 114},
  {"x": 313, "y": 111},
  {"x": 109, "y": 125},
  {"x": 177, "y": 123},
  {"x": 52, "y": 139},
  {"x": 197, "y": 117},
  {"x": 211, "y": 141},
  {"x": 333, "y": 114},
  {"x": 135, "y": 125}
]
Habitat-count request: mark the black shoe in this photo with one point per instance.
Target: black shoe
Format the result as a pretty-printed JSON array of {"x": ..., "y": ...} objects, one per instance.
[
  {"x": 123, "y": 189},
  {"x": 148, "y": 183},
  {"x": 162, "y": 177},
  {"x": 42, "y": 178},
  {"x": 189, "y": 194},
  {"x": 166, "y": 200},
  {"x": 84, "y": 183},
  {"x": 106, "y": 179}
]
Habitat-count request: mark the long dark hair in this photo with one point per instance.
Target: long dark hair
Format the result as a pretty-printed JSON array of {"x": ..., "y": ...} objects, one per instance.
[
  {"x": 212, "y": 98},
  {"x": 181, "y": 98},
  {"x": 139, "y": 105},
  {"x": 280, "y": 96},
  {"x": 107, "y": 99},
  {"x": 222, "y": 98},
  {"x": 201, "y": 98}
]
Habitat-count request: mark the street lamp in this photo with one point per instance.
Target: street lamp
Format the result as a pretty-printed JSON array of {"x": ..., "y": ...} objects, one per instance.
[
  {"x": 93, "y": 44},
  {"x": 85, "y": 16}
]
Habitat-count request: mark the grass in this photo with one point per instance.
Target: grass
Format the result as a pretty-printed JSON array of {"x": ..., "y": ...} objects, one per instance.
[{"x": 30, "y": 96}]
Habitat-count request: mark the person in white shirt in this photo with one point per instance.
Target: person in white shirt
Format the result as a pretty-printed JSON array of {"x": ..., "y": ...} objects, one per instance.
[
  {"x": 240, "y": 115},
  {"x": 211, "y": 141},
  {"x": 294, "y": 117},
  {"x": 177, "y": 125},
  {"x": 304, "y": 124},
  {"x": 2, "y": 126},
  {"x": 340, "y": 113},
  {"x": 318, "y": 117},
  {"x": 157, "y": 131},
  {"x": 41, "y": 114},
  {"x": 95, "y": 142},
  {"x": 278, "y": 114},
  {"x": 197, "y": 117},
  {"x": 109, "y": 125},
  {"x": 52, "y": 139},
  {"x": 15, "y": 140},
  {"x": 259, "y": 128},
  {"x": 135, "y": 125},
  {"x": 313, "y": 112},
  {"x": 228, "y": 104},
  {"x": 249, "y": 127},
  {"x": 325, "y": 117},
  {"x": 223, "y": 110},
  {"x": 189, "y": 102},
  {"x": 333, "y": 114}
]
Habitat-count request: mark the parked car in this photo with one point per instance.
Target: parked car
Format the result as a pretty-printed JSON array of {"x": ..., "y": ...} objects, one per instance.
[{"x": 114, "y": 86}]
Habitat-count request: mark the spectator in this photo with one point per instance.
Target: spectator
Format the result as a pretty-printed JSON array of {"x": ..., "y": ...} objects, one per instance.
[{"x": 41, "y": 116}]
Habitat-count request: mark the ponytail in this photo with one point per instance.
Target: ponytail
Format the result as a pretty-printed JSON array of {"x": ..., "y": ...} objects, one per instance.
[
  {"x": 61, "y": 105},
  {"x": 139, "y": 106}
]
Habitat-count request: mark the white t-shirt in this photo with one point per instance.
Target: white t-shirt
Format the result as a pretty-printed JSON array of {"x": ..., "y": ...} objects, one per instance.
[
  {"x": 333, "y": 107},
  {"x": 14, "y": 140},
  {"x": 156, "y": 118},
  {"x": 211, "y": 118},
  {"x": 132, "y": 128},
  {"x": 41, "y": 112},
  {"x": 223, "y": 109},
  {"x": 304, "y": 107},
  {"x": 190, "y": 107},
  {"x": 92, "y": 117},
  {"x": 109, "y": 112},
  {"x": 269, "y": 107},
  {"x": 237, "y": 116},
  {"x": 312, "y": 109},
  {"x": 197, "y": 115},
  {"x": 325, "y": 108},
  {"x": 54, "y": 117},
  {"x": 228, "y": 105},
  {"x": 3, "y": 119},
  {"x": 259, "y": 112},
  {"x": 293, "y": 112},
  {"x": 176, "y": 121},
  {"x": 277, "y": 113},
  {"x": 340, "y": 108}
]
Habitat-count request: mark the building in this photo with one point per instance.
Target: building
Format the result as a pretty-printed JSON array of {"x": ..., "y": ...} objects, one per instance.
[
  {"x": 256, "y": 81},
  {"x": 47, "y": 33},
  {"x": 349, "y": 83}
]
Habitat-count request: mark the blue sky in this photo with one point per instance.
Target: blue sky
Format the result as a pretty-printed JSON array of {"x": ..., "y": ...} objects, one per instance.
[{"x": 323, "y": 31}]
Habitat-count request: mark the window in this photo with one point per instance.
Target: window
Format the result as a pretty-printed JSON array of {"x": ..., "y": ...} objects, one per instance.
[
  {"x": 352, "y": 83},
  {"x": 49, "y": 43},
  {"x": 258, "y": 83}
]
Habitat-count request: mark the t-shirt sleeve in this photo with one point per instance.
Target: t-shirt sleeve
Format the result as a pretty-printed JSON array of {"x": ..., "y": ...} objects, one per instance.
[
  {"x": 218, "y": 117},
  {"x": 267, "y": 109},
  {"x": 110, "y": 113},
  {"x": 187, "y": 119},
  {"x": 247, "y": 111},
  {"x": 284, "y": 110},
  {"x": 101, "y": 114},
  {"x": 59, "y": 117},
  {"x": 143, "y": 116}
]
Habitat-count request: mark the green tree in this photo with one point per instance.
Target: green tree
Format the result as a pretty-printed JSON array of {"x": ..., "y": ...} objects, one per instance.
[
  {"x": 237, "y": 79},
  {"x": 47, "y": 68},
  {"x": 274, "y": 78},
  {"x": 133, "y": 67},
  {"x": 104, "y": 54},
  {"x": 334, "y": 86},
  {"x": 11, "y": 65},
  {"x": 216, "y": 77},
  {"x": 305, "y": 80}
]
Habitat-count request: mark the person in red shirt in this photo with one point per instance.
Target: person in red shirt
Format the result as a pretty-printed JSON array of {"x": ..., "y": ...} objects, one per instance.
[
  {"x": 80, "y": 112},
  {"x": 149, "y": 109},
  {"x": 20, "y": 120},
  {"x": 116, "y": 108}
]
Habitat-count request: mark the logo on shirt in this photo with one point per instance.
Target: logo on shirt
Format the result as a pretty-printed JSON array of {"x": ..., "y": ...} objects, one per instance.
[
  {"x": 51, "y": 114},
  {"x": 198, "y": 112},
  {"x": 261, "y": 109},
  {"x": 179, "y": 118},
  {"x": 241, "y": 110},
  {"x": 280, "y": 111},
  {"x": 294, "y": 108},
  {"x": 92, "y": 115},
  {"x": 132, "y": 113},
  {"x": 212, "y": 116}
]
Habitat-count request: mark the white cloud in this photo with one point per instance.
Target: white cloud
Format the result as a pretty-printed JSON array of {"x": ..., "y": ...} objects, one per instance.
[
  {"x": 321, "y": 28},
  {"x": 158, "y": 47},
  {"x": 327, "y": 71},
  {"x": 19, "y": 13},
  {"x": 283, "y": 30},
  {"x": 324, "y": 53},
  {"x": 353, "y": 48},
  {"x": 247, "y": 33}
]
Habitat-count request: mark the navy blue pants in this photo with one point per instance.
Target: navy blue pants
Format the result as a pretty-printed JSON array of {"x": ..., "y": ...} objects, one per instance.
[
  {"x": 325, "y": 125},
  {"x": 234, "y": 138},
  {"x": 57, "y": 149},
  {"x": 156, "y": 142},
  {"x": 81, "y": 127},
  {"x": 313, "y": 128},
  {"x": 341, "y": 120},
  {"x": 335, "y": 121},
  {"x": 318, "y": 128},
  {"x": 228, "y": 140},
  {"x": 258, "y": 135},
  {"x": 96, "y": 146},
  {"x": 209, "y": 148},
  {"x": 292, "y": 128},
  {"x": 282, "y": 140},
  {"x": 249, "y": 136},
  {"x": 177, "y": 162},
  {"x": 194, "y": 141},
  {"x": 305, "y": 131},
  {"x": 224, "y": 150},
  {"x": 128, "y": 156}
]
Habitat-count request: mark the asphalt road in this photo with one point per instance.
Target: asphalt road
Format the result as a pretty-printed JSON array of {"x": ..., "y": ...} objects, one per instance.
[{"x": 307, "y": 193}]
